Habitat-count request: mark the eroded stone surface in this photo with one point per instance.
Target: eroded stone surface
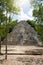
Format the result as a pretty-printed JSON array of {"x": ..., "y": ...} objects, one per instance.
[{"x": 23, "y": 34}]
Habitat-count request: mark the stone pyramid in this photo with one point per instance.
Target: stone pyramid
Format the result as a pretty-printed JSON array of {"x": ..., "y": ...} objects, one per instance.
[{"x": 22, "y": 34}]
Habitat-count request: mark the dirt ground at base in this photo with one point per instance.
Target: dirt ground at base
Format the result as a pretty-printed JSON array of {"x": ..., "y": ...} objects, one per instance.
[{"x": 22, "y": 59}]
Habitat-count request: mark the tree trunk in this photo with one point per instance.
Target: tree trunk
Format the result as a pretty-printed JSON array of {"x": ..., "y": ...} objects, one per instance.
[
  {"x": 0, "y": 39},
  {"x": 6, "y": 33},
  {"x": 0, "y": 44},
  {"x": 6, "y": 52}
]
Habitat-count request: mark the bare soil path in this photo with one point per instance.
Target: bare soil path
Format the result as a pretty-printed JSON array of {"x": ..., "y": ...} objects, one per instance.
[{"x": 22, "y": 55}]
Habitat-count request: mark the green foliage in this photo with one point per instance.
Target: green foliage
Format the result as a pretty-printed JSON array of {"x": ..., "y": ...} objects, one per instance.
[
  {"x": 5, "y": 29},
  {"x": 2, "y": 31},
  {"x": 31, "y": 22},
  {"x": 39, "y": 29},
  {"x": 11, "y": 25},
  {"x": 8, "y": 7},
  {"x": 6, "y": 25},
  {"x": 38, "y": 15}
]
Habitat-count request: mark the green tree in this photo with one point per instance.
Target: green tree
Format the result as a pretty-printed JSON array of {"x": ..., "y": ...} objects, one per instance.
[
  {"x": 8, "y": 7},
  {"x": 38, "y": 15}
]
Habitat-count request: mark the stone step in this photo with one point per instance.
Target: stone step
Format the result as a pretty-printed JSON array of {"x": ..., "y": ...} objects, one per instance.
[
  {"x": 34, "y": 52},
  {"x": 23, "y": 50},
  {"x": 27, "y": 52}
]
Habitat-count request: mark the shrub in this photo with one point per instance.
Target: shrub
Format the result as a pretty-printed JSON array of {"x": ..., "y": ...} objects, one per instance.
[{"x": 5, "y": 29}]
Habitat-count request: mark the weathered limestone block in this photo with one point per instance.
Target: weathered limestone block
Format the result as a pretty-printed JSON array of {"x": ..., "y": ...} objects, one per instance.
[{"x": 23, "y": 34}]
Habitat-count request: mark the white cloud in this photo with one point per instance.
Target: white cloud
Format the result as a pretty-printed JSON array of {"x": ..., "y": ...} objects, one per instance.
[
  {"x": 23, "y": 16},
  {"x": 30, "y": 12},
  {"x": 23, "y": 4}
]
